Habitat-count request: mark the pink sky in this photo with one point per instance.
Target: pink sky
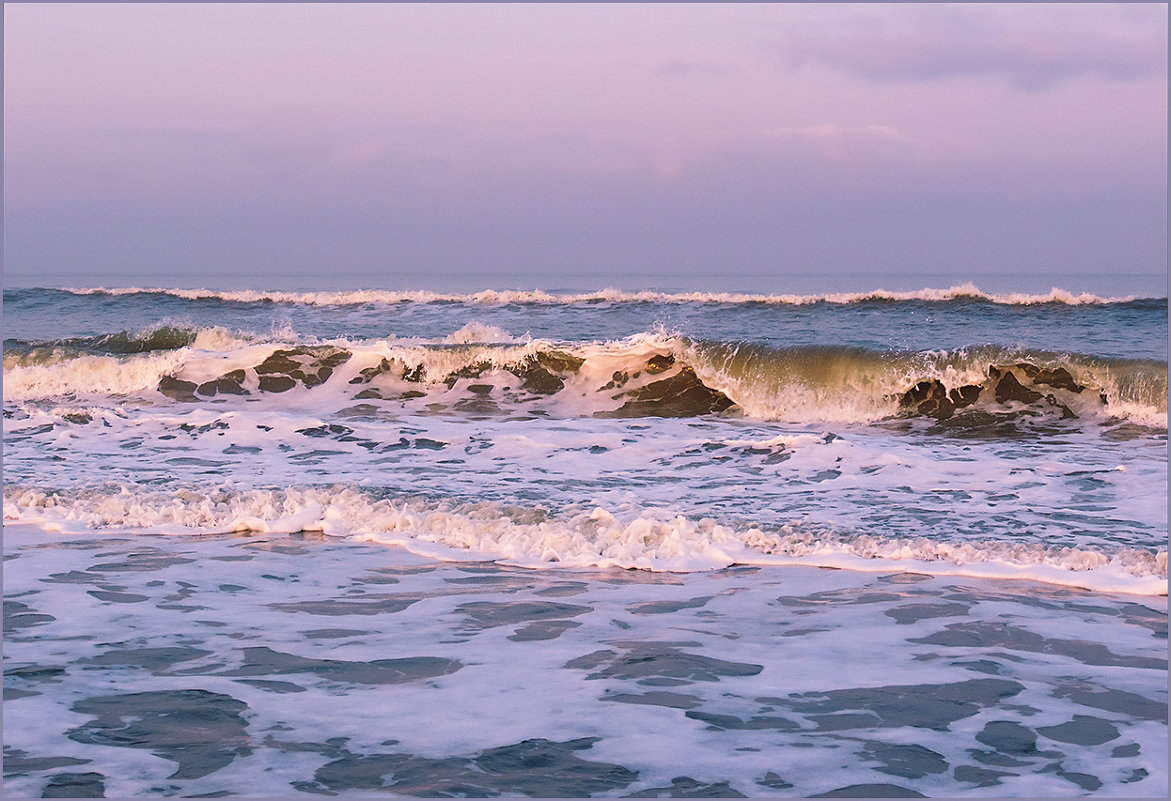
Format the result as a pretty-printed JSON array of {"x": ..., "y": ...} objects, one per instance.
[{"x": 180, "y": 116}]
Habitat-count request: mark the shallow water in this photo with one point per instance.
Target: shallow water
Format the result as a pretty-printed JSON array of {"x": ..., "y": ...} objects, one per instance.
[
  {"x": 595, "y": 543},
  {"x": 271, "y": 665}
]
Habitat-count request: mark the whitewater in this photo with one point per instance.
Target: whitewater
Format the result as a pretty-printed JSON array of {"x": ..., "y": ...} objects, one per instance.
[{"x": 962, "y": 492}]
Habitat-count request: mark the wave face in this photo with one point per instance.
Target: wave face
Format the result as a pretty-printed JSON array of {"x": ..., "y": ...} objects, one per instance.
[
  {"x": 648, "y": 375},
  {"x": 947, "y": 431}
]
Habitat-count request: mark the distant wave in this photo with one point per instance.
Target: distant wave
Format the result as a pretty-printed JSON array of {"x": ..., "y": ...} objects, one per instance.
[
  {"x": 962, "y": 292},
  {"x": 481, "y": 370}
]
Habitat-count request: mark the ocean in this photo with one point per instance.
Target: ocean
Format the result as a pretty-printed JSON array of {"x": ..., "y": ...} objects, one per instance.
[{"x": 575, "y": 542}]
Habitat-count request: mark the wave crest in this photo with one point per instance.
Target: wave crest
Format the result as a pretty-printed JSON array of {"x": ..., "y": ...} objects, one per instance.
[
  {"x": 482, "y": 369},
  {"x": 583, "y": 537}
]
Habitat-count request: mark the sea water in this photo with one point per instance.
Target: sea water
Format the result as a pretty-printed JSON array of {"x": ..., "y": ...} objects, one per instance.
[{"x": 584, "y": 542}]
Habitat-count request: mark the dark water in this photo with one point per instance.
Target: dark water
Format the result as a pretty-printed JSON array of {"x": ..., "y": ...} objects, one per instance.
[{"x": 1134, "y": 329}]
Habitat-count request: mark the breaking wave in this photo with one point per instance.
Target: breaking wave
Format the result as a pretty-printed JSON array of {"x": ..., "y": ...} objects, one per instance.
[
  {"x": 24, "y": 353},
  {"x": 580, "y": 537},
  {"x": 481, "y": 369}
]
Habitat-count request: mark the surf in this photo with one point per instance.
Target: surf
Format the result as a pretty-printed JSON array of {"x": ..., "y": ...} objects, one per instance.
[
  {"x": 581, "y": 537},
  {"x": 482, "y": 370},
  {"x": 966, "y": 292}
]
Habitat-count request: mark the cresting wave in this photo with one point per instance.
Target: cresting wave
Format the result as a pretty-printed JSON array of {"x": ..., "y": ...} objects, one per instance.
[
  {"x": 480, "y": 370},
  {"x": 961, "y": 292},
  {"x": 25, "y": 353},
  {"x": 581, "y": 537}
]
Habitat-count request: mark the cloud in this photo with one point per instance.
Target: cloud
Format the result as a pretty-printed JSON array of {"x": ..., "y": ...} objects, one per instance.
[{"x": 1034, "y": 48}]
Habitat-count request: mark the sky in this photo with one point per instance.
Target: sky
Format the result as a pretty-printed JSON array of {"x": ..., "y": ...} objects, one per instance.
[{"x": 643, "y": 145}]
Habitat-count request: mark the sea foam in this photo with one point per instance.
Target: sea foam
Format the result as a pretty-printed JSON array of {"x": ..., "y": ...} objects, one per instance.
[{"x": 650, "y": 539}]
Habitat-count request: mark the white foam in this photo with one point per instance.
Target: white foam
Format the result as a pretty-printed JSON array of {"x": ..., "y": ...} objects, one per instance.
[
  {"x": 218, "y": 338},
  {"x": 480, "y": 333},
  {"x": 509, "y": 689},
  {"x": 1135, "y": 571},
  {"x": 655, "y": 540},
  {"x": 792, "y": 441},
  {"x": 90, "y": 375}
]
